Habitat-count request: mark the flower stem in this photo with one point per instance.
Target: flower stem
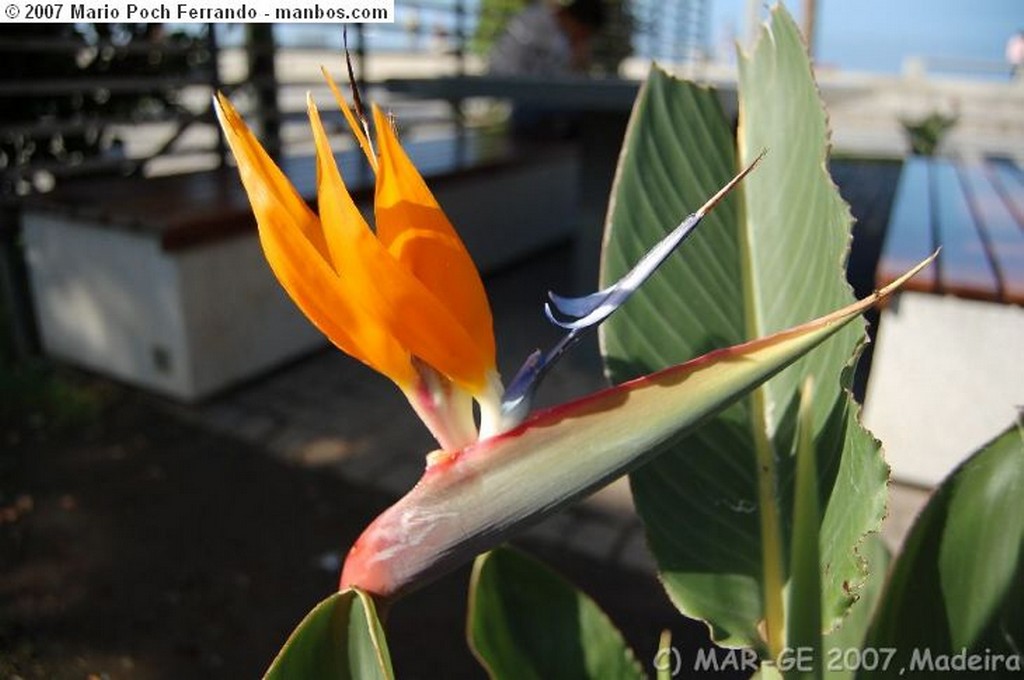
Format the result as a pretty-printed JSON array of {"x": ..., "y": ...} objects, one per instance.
[{"x": 445, "y": 408}]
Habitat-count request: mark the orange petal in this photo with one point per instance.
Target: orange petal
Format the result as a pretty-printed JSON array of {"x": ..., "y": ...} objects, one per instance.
[
  {"x": 357, "y": 129},
  {"x": 396, "y": 299},
  {"x": 416, "y": 232},
  {"x": 298, "y": 255},
  {"x": 349, "y": 233},
  {"x": 259, "y": 170}
]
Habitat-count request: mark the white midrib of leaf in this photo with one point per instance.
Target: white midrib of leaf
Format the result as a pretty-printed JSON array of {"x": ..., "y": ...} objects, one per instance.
[
  {"x": 762, "y": 120},
  {"x": 773, "y": 580}
]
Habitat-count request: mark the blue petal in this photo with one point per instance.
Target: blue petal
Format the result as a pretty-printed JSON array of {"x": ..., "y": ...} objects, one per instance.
[
  {"x": 578, "y": 306},
  {"x": 597, "y": 307},
  {"x": 589, "y": 310},
  {"x": 518, "y": 398}
]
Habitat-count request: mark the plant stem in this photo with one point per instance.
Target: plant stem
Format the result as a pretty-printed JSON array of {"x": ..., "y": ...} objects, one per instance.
[
  {"x": 773, "y": 576},
  {"x": 771, "y": 529}
]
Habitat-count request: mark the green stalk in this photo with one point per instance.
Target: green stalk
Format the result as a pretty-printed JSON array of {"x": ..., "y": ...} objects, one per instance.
[
  {"x": 803, "y": 612},
  {"x": 771, "y": 530},
  {"x": 772, "y": 562}
]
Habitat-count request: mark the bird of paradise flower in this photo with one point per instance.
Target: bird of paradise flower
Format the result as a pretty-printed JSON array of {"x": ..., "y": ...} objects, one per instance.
[{"x": 405, "y": 298}]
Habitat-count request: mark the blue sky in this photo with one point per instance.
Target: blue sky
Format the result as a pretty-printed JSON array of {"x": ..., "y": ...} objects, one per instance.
[{"x": 875, "y": 35}]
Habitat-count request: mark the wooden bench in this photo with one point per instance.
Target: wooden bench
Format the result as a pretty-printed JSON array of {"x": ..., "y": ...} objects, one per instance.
[
  {"x": 948, "y": 370},
  {"x": 161, "y": 282},
  {"x": 974, "y": 211}
]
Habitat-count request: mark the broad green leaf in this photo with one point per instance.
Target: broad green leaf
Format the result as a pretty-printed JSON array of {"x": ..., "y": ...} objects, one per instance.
[
  {"x": 844, "y": 651},
  {"x": 472, "y": 500},
  {"x": 340, "y": 638},
  {"x": 959, "y": 581},
  {"x": 718, "y": 506},
  {"x": 526, "y": 621}
]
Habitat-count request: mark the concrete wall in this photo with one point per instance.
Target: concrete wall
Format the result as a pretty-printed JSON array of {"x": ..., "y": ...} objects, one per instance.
[
  {"x": 947, "y": 376},
  {"x": 108, "y": 300}
]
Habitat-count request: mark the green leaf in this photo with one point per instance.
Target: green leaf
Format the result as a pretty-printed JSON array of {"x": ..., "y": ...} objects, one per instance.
[
  {"x": 843, "y": 646},
  {"x": 718, "y": 507},
  {"x": 526, "y": 621},
  {"x": 340, "y": 638},
  {"x": 959, "y": 581},
  {"x": 803, "y": 613}
]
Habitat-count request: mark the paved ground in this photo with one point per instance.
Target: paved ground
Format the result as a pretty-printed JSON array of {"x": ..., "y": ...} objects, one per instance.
[{"x": 136, "y": 545}]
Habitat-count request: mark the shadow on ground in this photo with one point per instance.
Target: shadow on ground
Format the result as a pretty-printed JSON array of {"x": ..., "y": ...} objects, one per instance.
[{"x": 139, "y": 546}]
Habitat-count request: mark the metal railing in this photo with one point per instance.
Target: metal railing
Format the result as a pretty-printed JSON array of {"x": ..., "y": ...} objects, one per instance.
[
  {"x": 135, "y": 100},
  {"x": 70, "y": 93}
]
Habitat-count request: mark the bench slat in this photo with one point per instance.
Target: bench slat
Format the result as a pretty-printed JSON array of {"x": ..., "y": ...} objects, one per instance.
[
  {"x": 1002, "y": 234},
  {"x": 189, "y": 209},
  {"x": 967, "y": 265},
  {"x": 909, "y": 238},
  {"x": 1008, "y": 180}
]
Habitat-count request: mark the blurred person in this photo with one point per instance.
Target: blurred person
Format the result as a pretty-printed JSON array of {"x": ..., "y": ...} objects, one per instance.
[
  {"x": 1015, "y": 54},
  {"x": 548, "y": 38}
]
